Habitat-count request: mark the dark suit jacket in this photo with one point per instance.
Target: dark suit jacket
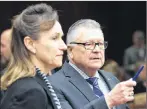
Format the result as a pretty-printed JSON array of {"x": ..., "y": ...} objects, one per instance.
[
  {"x": 27, "y": 93},
  {"x": 75, "y": 93}
]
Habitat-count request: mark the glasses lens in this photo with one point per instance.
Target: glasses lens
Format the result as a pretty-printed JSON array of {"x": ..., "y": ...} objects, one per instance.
[
  {"x": 89, "y": 45},
  {"x": 92, "y": 45}
]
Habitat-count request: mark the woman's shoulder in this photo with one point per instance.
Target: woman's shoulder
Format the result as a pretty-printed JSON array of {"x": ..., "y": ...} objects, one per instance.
[
  {"x": 24, "y": 85},
  {"x": 22, "y": 92}
]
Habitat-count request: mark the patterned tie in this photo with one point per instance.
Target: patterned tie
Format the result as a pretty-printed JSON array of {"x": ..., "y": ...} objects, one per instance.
[
  {"x": 54, "y": 97},
  {"x": 94, "y": 82}
]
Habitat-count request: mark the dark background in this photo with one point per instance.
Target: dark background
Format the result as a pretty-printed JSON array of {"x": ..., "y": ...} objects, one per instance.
[{"x": 118, "y": 18}]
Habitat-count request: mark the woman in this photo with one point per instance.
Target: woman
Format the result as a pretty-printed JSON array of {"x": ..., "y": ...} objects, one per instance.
[{"x": 37, "y": 48}]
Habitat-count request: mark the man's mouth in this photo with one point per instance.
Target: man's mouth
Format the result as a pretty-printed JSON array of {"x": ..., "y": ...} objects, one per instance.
[{"x": 95, "y": 58}]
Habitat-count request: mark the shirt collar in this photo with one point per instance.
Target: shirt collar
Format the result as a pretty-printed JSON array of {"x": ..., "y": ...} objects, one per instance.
[{"x": 82, "y": 73}]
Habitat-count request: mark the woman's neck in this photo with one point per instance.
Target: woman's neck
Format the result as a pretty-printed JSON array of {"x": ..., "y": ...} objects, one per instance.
[{"x": 44, "y": 68}]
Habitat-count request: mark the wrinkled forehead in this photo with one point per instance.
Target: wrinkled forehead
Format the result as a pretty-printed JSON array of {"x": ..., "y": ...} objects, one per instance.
[{"x": 91, "y": 34}]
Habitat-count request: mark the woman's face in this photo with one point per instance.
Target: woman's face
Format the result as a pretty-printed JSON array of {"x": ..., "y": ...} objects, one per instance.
[{"x": 50, "y": 46}]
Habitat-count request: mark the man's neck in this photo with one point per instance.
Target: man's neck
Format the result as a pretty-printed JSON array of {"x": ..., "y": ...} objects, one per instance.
[
  {"x": 139, "y": 46},
  {"x": 89, "y": 72}
]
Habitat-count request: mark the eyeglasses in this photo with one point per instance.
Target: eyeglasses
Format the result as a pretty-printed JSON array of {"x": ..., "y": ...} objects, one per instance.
[{"x": 92, "y": 45}]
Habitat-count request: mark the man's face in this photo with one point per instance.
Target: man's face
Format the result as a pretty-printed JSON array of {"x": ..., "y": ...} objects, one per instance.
[
  {"x": 88, "y": 59},
  {"x": 5, "y": 48},
  {"x": 138, "y": 38}
]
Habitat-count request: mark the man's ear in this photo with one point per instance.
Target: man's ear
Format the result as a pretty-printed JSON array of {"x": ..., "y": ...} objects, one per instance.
[
  {"x": 69, "y": 52},
  {"x": 30, "y": 44}
]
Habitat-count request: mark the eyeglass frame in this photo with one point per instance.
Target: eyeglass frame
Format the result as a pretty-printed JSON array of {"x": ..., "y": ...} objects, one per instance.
[{"x": 84, "y": 44}]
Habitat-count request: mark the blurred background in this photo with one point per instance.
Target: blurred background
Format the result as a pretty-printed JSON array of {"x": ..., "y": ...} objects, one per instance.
[{"x": 119, "y": 20}]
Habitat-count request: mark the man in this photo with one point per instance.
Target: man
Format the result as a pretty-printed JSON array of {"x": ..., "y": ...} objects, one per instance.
[
  {"x": 135, "y": 53},
  {"x": 81, "y": 84},
  {"x": 4, "y": 52},
  {"x": 5, "y": 48}
]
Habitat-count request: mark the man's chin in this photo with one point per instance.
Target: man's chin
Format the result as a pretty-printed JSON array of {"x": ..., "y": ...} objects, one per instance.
[{"x": 95, "y": 67}]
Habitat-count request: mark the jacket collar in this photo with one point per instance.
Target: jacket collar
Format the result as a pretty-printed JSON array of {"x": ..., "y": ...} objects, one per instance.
[{"x": 79, "y": 82}]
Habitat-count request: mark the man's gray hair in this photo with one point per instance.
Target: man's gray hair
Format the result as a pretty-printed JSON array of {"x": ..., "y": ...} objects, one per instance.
[{"x": 73, "y": 31}]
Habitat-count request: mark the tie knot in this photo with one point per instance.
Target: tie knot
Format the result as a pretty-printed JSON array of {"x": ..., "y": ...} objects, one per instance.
[{"x": 93, "y": 81}]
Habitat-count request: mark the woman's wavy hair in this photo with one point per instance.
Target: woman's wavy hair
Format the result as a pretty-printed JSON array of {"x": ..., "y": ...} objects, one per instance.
[{"x": 33, "y": 20}]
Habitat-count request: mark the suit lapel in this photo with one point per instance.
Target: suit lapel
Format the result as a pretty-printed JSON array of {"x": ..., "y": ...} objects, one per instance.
[
  {"x": 109, "y": 79},
  {"x": 78, "y": 81},
  {"x": 111, "y": 82}
]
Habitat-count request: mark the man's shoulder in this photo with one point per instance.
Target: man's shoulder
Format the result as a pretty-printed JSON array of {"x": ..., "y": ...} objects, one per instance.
[
  {"x": 58, "y": 73},
  {"x": 109, "y": 75},
  {"x": 58, "y": 76},
  {"x": 129, "y": 49},
  {"x": 106, "y": 73}
]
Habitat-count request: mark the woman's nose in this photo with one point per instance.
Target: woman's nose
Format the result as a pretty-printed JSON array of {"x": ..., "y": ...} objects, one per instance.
[{"x": 63, "y": 46}]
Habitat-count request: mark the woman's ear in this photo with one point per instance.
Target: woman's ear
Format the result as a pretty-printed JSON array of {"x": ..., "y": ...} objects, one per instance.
[{"x": 30, "y": 44}]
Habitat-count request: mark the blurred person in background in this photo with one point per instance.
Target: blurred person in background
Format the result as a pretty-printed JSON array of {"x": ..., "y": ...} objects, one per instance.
[
  {"x": 135, "y": 53},
  {"x": 134, "y": 57},
  {"x": 112, "y": 66},
  {"x": 37, "y": 48},
  {"x": 140, "y": 98},
  {"x": 5, "y": 51},
  {"x": 143, "y": 75},
  {"x": 141, "y": 82}
]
